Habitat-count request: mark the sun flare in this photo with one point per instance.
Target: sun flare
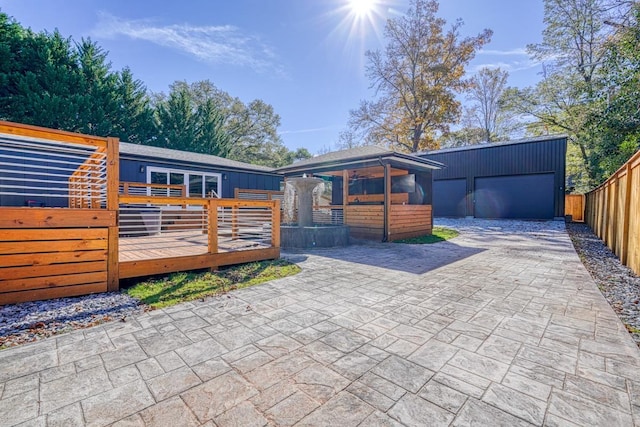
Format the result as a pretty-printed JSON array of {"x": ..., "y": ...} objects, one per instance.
[{"x": 361, "y": 7}]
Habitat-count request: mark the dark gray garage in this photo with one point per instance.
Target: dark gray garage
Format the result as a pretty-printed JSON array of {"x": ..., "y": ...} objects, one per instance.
[
  {"x": 519, "y": 196},
  {"x": 449, "y": 197},
  {"x": 521, "y": 179}
]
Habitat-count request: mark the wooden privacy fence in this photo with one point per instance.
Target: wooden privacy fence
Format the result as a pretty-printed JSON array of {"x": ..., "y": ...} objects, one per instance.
[
  {"x": 68, "y": 227},
  {"x": 574, "y": 207},
  {"x": 613, "y": 212}
]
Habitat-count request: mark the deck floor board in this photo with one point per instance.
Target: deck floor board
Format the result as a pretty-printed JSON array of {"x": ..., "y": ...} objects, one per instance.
[{"x": 180, "y": 243}]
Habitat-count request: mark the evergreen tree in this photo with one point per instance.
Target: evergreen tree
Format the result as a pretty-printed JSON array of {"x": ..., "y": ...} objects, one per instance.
[{"x": 47, "y": 80}]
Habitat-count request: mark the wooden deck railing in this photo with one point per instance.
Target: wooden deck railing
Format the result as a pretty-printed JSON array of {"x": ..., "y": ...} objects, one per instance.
[
  {"x": 147, "y": 189},
  {"x": 613, "y": 212},
  {"x": 158, "y": 233},
  {"x": 247, "y": 194},
  {"x": 66, "y": 231}
]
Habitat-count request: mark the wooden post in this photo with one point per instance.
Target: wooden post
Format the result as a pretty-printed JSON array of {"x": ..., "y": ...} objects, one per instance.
[
  {"x": 275, "y": 224},
  {"x": 234, "y": 221},
  {"x": 345, "y": 195},
  {"x": 607, "y": 218},
  {"x": 387, "y": 202},
  {"x": 212, "y": 207},
  {"x": 624, "y": 252},
  {"x": 602, "y": 227},
  {"x": 614, "y": 215},
  {"x": 113, "y": 180}
]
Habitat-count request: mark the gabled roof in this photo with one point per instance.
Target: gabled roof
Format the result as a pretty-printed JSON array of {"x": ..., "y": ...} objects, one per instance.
[
  {"x": 369, "y": 155},
  {"x": 494, "y": 144},
  {"x": 167, "y": 154}
]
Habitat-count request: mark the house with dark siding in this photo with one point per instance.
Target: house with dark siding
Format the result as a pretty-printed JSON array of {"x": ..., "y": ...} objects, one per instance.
[{"x": 202, "y": 174}]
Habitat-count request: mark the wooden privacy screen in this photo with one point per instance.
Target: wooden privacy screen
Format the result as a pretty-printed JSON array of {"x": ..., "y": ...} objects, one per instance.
[
  {"x": 51, "y": 253},
  {"x": 409, "y": 221},
  {"x": 574, "y": 206},
  {"x": 70, "y": 248},
  {"x": 613, "y": 212},
  {"x": 405, "y": 221}
]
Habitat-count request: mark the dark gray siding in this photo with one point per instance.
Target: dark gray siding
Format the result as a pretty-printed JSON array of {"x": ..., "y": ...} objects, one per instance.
[
  {"x": 134, "y": 170},
  {"x": 536, "y": 156},
  {"x": 449, "y": 197}
]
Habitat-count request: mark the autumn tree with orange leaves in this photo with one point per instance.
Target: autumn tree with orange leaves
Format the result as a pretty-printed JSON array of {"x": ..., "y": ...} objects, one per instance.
[{"x": 415, "y": 80}]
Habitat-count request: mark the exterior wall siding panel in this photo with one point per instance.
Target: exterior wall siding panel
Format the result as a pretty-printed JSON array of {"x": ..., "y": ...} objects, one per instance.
[
  {"x": 134, "y": 170},
  {"x": 545, "y": 155}
]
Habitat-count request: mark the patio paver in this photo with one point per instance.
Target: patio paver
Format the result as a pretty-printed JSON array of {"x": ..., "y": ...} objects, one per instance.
[{"x": 490, "y": 328}]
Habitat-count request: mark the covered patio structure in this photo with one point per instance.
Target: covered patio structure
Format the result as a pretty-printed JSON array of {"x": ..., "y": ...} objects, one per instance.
[{"x": 380, "y": 194}]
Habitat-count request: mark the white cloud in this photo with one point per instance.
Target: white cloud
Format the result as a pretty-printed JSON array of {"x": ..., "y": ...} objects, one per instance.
[
  {"x": 224, "y": 44},
  {"x": 519, "y": 51},
  {"x": 511, "y": 67}
]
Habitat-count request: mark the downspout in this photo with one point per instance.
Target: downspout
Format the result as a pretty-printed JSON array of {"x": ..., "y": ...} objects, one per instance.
[{"x": 386, "y": 202}]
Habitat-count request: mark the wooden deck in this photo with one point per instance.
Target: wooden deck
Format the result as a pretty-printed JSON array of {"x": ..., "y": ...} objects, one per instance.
[
  {"x": 89, "y": 246},
  {"x": 179, "y": 244}
]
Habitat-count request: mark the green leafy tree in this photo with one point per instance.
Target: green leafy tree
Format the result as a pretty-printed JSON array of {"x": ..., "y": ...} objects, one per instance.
[
  {"x": 416, "y": 80},
  {"x": 574, "y": 46},
  {"x": 615, "y": 119},
  {"x": 251, "y": 129},
  {"x": 191, "y": 122},
  {"x": 48, "y": 80}
]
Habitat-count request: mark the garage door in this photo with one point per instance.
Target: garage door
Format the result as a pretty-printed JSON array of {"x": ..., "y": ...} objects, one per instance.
[
  {"x": 449, "y": 197},
  {"x": 519, "y": 196}
]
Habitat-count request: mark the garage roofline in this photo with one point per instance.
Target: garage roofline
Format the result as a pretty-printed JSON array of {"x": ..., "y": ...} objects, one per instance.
[{"x": 495, "y": 144}]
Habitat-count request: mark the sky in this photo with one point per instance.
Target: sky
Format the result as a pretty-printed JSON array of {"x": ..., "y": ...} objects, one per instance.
[{"x": 304, "y": 57}]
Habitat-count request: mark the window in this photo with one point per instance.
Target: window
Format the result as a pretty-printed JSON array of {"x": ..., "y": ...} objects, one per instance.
[{"x": 198, "y": 184}]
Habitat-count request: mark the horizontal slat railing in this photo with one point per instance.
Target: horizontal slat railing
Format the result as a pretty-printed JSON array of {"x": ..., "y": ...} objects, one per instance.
[
  {"x": 328, "y": 214},
  {"x": 58, "y": 228},
  {"x": 154, "y": 227},
  {"x": 245, "y": 224},
  {"x": 146, "y": 189},
  {"x": 250, "y": 194},
  {"x": 38, "y": 172}
]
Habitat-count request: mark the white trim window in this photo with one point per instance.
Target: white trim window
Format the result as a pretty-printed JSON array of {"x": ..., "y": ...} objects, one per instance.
[{"x": 198, "y": 184}]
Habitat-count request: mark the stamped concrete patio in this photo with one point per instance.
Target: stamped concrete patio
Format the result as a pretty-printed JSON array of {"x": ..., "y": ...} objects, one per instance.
[{"x": 491, "y": 328}]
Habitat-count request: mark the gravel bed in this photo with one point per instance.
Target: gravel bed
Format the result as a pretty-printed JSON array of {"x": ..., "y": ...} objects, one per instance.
[
  {"x": 619, "y": 284},
  {"x": 483, "y": 226},
  {"x": 30, "y": 321}
]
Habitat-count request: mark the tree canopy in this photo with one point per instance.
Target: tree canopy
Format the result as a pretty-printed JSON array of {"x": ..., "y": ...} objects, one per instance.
[
  {"x": 580, "y": 51},
  {"x": 48, "y": 80},
  {"x": 52, "y": 81},
  {"x": 416, "y": 79}
]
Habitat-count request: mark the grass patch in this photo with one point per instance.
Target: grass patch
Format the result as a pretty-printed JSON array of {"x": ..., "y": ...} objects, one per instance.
[
  {"x": 438, "y": 234},
  {"x": 182, "y": 287}
]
